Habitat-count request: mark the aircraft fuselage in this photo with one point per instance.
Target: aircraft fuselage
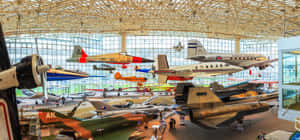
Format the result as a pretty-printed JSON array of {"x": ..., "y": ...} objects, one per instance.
[
  {"x": 201, "y": 70},
  {"x": 112, "y": 58},
  {"x": 242, "y": 60}
]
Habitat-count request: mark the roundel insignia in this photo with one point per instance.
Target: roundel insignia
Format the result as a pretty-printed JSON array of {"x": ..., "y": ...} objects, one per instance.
[
  {"x": 6, "y": 132},
  {"x": 219, "y": 58}
]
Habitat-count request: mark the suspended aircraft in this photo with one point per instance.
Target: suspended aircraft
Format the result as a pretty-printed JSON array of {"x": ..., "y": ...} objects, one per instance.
[
  {"x": 207, "y": 110},
  {"x": 138, "y": 69},
  {"x": 178, "y": 47},
  {"x": 112, "y": 58},
  {"x": 139, "y": 80},
  {"x": 104, "y": 68},
  {"x": 187, "y": 72},
  {"x": 254, "y": 81},
  {"x": 39, "y": 95},
  {"x": 197, "y": 52},
  {"x": 58, "y": 74}
]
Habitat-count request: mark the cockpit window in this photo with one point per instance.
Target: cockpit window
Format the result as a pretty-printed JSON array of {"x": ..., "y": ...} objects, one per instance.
[
  {"x": 58, "y": 67},
  {"x": 201, "y": 93}
]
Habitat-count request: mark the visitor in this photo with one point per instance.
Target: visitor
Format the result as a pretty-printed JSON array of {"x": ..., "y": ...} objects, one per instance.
[
  {"x": 100, "y": 130},
  {"x": 57, "y": 103},
  {"x": 171, "y": 123},
  {"x": 261, "y": 136},
  {"x": 174, "y": 122},
  {"x": 63, "y": 100},
  {"x": 239, "y": 126},
  {"x": 161, "y": 115}
]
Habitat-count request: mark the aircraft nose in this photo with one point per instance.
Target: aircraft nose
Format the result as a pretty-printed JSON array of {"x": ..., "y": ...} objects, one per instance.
[{"x": 145, "y": 60}]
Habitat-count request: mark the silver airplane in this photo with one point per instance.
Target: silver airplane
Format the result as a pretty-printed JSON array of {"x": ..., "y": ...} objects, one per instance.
[
  {"x": 197, "y": 52},
  {"x": 187, "y": 72}
]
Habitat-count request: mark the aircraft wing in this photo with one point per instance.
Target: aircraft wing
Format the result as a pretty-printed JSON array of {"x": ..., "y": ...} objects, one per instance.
[
  {"x": 261, "y": 63},
  {"x": 214, "y": 121},
  {"x": 196, "y": 58}
]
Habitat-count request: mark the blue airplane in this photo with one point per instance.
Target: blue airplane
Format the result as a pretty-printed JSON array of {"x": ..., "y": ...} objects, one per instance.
[
  {"x": 137, "y": 69},
  {"x": 60, "y": 74}
]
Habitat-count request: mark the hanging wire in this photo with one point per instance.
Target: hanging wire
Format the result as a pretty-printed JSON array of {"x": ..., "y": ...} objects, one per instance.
[{"x": 18, "y": 24}]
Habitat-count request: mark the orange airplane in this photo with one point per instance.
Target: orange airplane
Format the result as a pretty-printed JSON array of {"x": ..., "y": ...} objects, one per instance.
[{"x": 139, "y": 80}]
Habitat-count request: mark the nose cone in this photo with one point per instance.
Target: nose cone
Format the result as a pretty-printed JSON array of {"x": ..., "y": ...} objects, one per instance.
[
  {"x": 141, "y": 60},
  {"x": 145, "y": 60}
]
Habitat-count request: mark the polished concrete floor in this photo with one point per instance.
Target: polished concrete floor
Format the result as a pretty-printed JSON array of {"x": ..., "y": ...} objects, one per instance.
[{"x": 266, "y": 122}]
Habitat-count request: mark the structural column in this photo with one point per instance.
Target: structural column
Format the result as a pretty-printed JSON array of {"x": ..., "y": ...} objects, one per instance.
[
  {"x": 237, "y": 45},
  {"x": 123, "y": 36}
]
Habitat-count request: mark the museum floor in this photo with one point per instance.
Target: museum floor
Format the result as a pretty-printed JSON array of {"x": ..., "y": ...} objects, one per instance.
[{"x": 267, "y": 122}]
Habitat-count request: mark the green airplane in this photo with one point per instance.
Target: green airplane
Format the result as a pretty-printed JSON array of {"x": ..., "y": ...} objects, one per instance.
[{"x": 113, "y": 127}]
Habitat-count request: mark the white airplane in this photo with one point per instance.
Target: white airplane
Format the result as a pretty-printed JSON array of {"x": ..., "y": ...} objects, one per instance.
[
  {"x": 178, "y": 47},
  {"x": 197, "y": 52},
  {"x": 187, "y": 72}
]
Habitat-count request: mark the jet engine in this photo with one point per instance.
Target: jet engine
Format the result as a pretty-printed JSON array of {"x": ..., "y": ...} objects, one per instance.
[{"x": 29, "y": 73}]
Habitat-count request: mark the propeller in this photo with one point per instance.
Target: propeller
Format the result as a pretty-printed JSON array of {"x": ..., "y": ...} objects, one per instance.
[
  {"x": 42, "y": 71},
  {"x": 153, "y": 71}
]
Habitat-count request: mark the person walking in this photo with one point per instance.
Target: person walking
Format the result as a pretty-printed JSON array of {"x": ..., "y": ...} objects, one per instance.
[
  {"x": 174, "y": 122},
  {"x": 171, "y": 123},
  {"x": 261, "y": 136}
]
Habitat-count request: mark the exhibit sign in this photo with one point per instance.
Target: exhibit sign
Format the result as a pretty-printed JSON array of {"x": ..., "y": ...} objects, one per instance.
[{"x": 5, "y": 129}]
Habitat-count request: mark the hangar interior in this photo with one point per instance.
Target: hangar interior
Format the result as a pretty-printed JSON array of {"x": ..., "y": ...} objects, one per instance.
[
  {"x": 56, "y": 48},
  {"x": 163, "y": 32}
]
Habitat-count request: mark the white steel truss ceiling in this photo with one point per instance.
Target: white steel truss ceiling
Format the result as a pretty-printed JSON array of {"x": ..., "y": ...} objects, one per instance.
[{"x": 221, "y": 18}]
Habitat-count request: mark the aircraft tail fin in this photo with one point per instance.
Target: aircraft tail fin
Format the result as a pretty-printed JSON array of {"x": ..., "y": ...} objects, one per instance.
[
  {"x": 195, "y": 48},
  {"x": 162, "y": 62},
  {"x": 71, "y": 114},
  {"x": 78, "y": 52},
  {"x": 162, "y": 78}
]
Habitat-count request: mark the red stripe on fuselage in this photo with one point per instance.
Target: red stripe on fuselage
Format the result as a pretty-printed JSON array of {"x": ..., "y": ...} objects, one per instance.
[
  {"x": 6, "y": 120},
  {"x": 137, "y": 59},
  {"x": 177, "y": 78},
  {"x": 82, "y": 60}
]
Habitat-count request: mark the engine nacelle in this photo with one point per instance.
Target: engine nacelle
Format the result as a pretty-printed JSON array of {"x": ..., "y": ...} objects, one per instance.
[
  {"x": 263, "y": 66},
  {"x": 26, "y": 74}
]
